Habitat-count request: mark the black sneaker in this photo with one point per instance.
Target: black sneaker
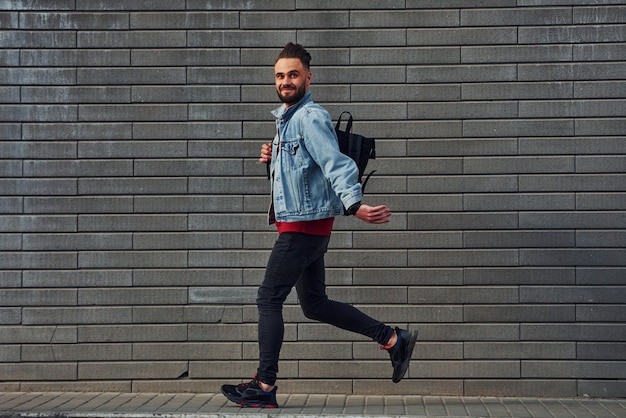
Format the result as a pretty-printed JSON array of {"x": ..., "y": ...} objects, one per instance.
[
  {"x": 401, "y": 353},
  {"x": 250, "y": 395}
]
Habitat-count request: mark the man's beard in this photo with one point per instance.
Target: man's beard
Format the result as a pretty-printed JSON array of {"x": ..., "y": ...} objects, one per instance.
[{"x": 295, "y": 98}]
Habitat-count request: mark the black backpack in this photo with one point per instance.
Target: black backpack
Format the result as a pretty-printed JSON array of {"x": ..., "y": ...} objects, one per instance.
[{"x": 357, "y": 147}]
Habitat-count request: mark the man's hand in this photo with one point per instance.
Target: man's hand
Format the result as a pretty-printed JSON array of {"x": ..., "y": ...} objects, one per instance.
[
  {"x": 266, "y": 153},
  {"x": 373, "y": 214}
]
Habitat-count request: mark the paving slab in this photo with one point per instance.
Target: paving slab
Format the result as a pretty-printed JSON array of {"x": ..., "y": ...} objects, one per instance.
[{"x": 212, "y": 405}]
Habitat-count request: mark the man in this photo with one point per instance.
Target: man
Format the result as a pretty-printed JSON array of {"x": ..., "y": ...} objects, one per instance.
[{"x": 312, "y": 181}]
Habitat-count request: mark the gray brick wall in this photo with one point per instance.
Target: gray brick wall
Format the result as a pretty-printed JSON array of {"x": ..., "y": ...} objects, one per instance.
[{"x": 132, "y": 208}]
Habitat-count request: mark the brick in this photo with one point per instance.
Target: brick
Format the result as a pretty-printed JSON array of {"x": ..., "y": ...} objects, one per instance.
[
  {"x": 186, "y": 351},
  {"x": 462, "y": 110},
  {"x": 11, "y": 168},
  {"x": 83, "y": 205},
  {"x": 600, "y": 126},
  {"x": 38, "y": 297},
  {"x": 301, "y": 20},
  {"x": 573, "y": 369},
  {"x": 77, "y": 278},
  {"x": 130, "y": 370},
  {"x": 353, "y": 38},
  {"x": 457, "y": 258},
  {"x": 136, "y": 112},
  {"x": 606, "y": 164},
  {"x": 518, "y": 127},
  {"x": 38, "y": 39},
  {"x": 136, "y": 5},
  {"x": 134, "y": 149},
  {"x": 573, "y": 294},
  {"x": 601, "y": 238},
  {"x": 74, "y": 58},
  {"x": 38, "y": 149},
  {"x": 9, "y": 94},
  {"x": 184, "y": 94},
  {"x": 222, "y": 296},
  {"x": 227, "y": 259},
  {"x": 10, "y": 354},
  {"x": 572, "y": 34},
  {"x": 10, "y": 278},
  {"x": 462, "y": 184},
  {"x": 134, "y": 185},
  {"x": 407, "y": 276},
  {"x": 68, "y": 242},
  {"x": 590, "y": 201},
  {"x": 132, "y": 259},
  {"x": 520, "y": 275},
  {"x": 501, "y": 91},
  {"x": 9, "y": 20},
  {"x": 599, "y": 275},
  {"x": 562, "y": 72},
  {"x": 565, "y": 109},
  {"x": 519, "y": 201},
  {"x": 601, "y": 388},
  {"x": 25, "y": 187},
  {"x": 409, "y": 240},
  {"x": 74, "y": 131},
  {"x": 131, "y": 333},
  {"x": 612, "y": 313},
  {"x": 601, "y": 351},
  {"x": 65, "y": 316},
  {"x": 77, "y": 168},
  {"x": 423, "y": 92},
  {"x": 134, "y": 296},
  {"x": 387, "y": 56},
  {"x": 517, "y": 53},
  {"x": 599, "y": 53},
  {"x": 572, "y": 220},
  {"x": 187, "y": 204},
  {"x": 598, "y": 14},
  {"x": 462, "y": 295},
  {"x": 10, "y": 316},
  {"x": 465, "y": 147},
  {"x": 11, "y": 204},
  {"x": 130, "y": 39},
  {"x": 214, "y": 314},
  {"x": 75, "y": 94},
  {"x": 466, "y": 220},
  {"x": 187, "y": 277},
  {"x": 520, "y": 350},
  {"x": 461, "y": 73},
  {"x": 473, "y": 369},
  {"x": 76, "y": 352},
  {"x": 38, "y": 371},
  {"x": 522, "y": 313},
  {"x": 132, "y": 222},
  {"x": 461, "y": 36},
  {"x": 39, "y": 113},
  {"x": 37, "y": 335},
  {"x": 10, "y": 131},
  {"x": 186, "y": 241},
  {"x": 572, "y": 332},
  {"x": 38, "y": 260},
  {"x": 69, "y": 20},
  {"x": 517, "y": 239},
  {"x": 517, "y": 16},
  {"x": 180, "y": 20},
  {"x": 598, "y": 89},
  {"x": 584, "y": 257},
  {"x": 403, "y": 18},
  {"x": 568, "y": 145},
  {"x": 236, "y": 38}
]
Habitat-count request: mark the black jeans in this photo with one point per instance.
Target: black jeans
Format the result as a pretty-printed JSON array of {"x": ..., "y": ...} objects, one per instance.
[{"x": 298, "y": 259}]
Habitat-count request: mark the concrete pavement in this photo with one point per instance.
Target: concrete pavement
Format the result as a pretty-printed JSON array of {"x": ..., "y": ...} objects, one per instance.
[{"x": 209, "y": 405}]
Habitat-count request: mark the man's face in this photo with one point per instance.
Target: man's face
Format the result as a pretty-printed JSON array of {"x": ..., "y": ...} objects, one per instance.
[{"x": 292, "y": 80}]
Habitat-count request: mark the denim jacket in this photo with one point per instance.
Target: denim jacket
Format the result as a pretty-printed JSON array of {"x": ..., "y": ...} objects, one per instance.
[{"x": 311, "y": 178}]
